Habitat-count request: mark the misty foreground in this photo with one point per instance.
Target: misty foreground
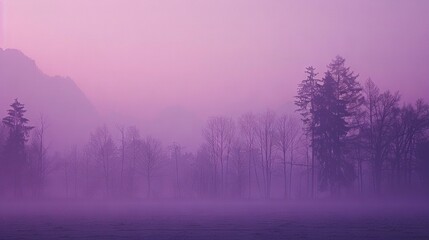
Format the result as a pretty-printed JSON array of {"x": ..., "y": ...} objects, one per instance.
[{"x": 214, "y": 220}]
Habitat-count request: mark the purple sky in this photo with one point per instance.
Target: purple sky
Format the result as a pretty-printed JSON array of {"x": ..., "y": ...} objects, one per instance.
[{"x": 139, "y": 61}]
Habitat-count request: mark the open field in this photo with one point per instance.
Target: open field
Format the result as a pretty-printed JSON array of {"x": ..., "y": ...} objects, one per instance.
[{"x": 214, "y": 221}]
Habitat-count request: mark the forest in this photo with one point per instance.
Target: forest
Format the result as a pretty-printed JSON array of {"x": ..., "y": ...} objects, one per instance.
[{"x": 347, "y": 138}]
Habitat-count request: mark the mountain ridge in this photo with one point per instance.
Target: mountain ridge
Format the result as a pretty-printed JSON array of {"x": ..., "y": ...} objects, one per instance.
[{"x": 63, "y": 105}]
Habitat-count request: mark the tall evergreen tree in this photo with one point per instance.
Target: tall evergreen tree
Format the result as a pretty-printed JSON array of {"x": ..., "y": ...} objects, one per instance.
[
  {"x": 330, "y": 110},
  {"x": 330, "y": 128},
  {"x": 14, "y": 149},
  {"x": 308, "y": 90},
  {"x": 348, "y": 91}
]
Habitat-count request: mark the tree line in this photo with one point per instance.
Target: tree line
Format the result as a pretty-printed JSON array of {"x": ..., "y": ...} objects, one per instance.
[
  {"x": 345, "y": 138},
  {"x": 361, "y": 136}
]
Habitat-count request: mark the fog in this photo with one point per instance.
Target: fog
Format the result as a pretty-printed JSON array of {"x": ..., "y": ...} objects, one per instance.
[{"x": 207, "y": 120}]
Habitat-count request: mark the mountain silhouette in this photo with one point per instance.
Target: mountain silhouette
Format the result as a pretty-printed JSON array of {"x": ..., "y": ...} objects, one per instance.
[{"x": 67, "y": 112}]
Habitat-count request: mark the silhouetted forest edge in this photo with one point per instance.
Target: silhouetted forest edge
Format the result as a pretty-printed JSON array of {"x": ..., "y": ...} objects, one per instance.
[{"x": 347, "y": 140}]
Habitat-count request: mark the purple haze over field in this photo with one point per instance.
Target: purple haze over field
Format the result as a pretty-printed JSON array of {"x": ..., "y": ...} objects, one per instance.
[{"x": 177, "y": 119}]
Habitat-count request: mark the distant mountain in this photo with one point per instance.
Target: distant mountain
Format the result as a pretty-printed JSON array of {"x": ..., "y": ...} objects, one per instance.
[{"x": 68, "y": 113}]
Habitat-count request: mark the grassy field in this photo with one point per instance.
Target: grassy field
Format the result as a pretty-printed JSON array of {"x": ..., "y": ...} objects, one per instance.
[{"x": 213, "y": 221}]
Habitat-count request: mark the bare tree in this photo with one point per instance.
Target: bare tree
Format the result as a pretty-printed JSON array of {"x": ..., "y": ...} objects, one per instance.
[
  {"x": 152, "y": 155},
  {"x": 247, "y": 126},
  {"x": 66, "y": 166},
  {"x": 204, "y": 176},
  {"x": 381, "y": 114},
  {"x": 409, "y": 128},
  {"x": 266, "y": 133},
  {"x": 176, "y": 155},
  {"x": 134, "y": 149},
  {"x": 122, "y": 132},
  {"x": 74, "y": 164},
  {"x": 86, "y": 155},
  {"x": 287, "y": 131},
  {"x": 219, "y": 134},
  {"x": 39, "y": 164},
  {"x": 103, "y": 150},
  {"x": 239, "y": 170}
]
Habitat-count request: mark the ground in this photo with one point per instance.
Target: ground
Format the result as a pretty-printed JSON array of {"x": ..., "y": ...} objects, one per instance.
[{"x": 213, "y": 221}]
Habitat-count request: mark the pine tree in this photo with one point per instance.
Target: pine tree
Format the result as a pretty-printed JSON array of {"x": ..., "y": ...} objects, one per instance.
[
  {"x": 349, "y": 94},
  {"x": 348, "y": 90},
  {"x": 336, "y": 112},
  {"x": 308, "y": 90},
  {"x": 330, "y": 128},
  {"x": 14, "y": 150}
]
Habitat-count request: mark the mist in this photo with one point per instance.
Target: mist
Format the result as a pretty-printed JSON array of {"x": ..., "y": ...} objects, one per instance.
[{"x": 235, "y": 120}]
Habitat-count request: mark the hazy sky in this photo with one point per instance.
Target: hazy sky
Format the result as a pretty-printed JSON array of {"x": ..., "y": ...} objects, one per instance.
[{"x": 144, "y": 60}]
